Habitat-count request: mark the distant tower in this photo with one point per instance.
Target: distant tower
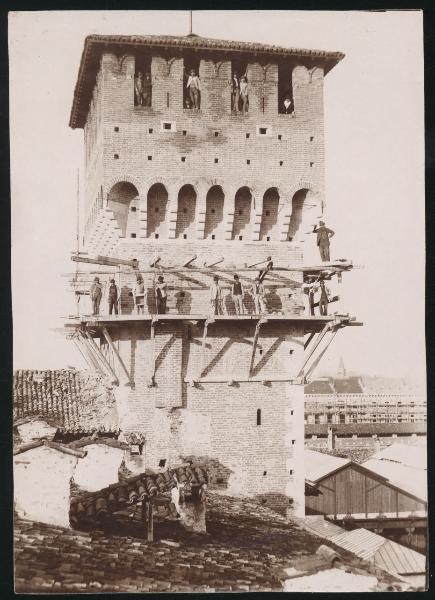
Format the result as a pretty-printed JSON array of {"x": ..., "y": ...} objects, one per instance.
[
  {"x": 341, "y": 371},
  {"x": 194, "y": 187}
]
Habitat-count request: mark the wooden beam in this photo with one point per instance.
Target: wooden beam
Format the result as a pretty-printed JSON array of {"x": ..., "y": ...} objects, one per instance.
[
  {"x": 105, "y": 260},
  {"x": 190, "y": 261},
  {"x": 116, "y": 353},
  {"x": 254, "y": 344},
  {"x": 89, "y": 351},
  {"x": 203, "y": 347},
  {"x": 215, "y": 263},
  {"x": 307, "y": 343},
  {"x": 148, "y": 518},
  {"x": 101, "y": 357},
  {"x": 83, "y": 353}
]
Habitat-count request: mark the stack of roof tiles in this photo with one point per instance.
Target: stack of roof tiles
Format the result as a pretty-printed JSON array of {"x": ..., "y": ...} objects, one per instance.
[
  {"x": 96, "y": 507},
  {"x": 76, "y": 401}
]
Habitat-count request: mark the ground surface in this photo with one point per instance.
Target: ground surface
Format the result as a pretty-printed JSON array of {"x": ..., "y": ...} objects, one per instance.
[{"x": 247, "y": 548}]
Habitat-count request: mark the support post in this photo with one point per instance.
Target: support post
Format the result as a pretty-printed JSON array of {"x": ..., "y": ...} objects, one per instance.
[
  {"x": 203, "y": 343},
  {"x": 254, "y": 344},
  {"x": 148, "y": 520},
  {"x": 116, "y": 353},
  {"x": 101, "y": 357},
  {"x": 90, "y": 353}
]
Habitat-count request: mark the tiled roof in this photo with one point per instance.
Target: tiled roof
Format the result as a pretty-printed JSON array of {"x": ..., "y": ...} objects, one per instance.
[
  {"x": 96, "y": 507},
  {"x": 96, "y": 44},
  {"x": 348, "y": 385},
  {"x": 366, "y": 428},
  {"x": 319, "y": 386},
  {"x": 411, "y": 456},
  {"x": 247, "y": 548},
  {"x": 74, "y": 400}
]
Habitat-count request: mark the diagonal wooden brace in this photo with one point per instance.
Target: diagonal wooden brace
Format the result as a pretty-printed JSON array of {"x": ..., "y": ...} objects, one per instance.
[
  {"x": 101, "y": 357},
  {"x": 116, "y": 353}
]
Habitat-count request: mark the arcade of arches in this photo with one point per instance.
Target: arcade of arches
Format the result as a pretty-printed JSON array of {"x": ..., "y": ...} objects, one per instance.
[{"x": 192, "y": 219}]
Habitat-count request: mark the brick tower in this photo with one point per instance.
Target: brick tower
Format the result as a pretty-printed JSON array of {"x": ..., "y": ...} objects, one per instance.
[{"x": 190, "y": 193}]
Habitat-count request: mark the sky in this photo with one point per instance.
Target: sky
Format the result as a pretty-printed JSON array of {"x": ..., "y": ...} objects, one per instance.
[{"x": 374, "y": 130}]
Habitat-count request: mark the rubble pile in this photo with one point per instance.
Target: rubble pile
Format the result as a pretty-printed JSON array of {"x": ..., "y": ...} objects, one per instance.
[{"x": 76, "y": 401}]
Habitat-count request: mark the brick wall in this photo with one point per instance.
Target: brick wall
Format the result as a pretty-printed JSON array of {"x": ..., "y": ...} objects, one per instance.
[
  {"x": 211, "y": 146},
  {"x": 203, "y": 159}
]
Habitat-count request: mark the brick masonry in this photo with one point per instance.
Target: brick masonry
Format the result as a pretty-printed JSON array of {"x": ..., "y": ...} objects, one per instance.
[{"x": 170, "y": 182}]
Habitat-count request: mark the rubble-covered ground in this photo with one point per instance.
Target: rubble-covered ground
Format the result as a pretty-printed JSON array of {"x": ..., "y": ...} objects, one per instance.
[{"x": 247, "y": 548}]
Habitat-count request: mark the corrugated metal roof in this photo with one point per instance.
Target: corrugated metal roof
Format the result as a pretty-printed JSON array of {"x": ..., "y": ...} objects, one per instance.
[
  {"x": 411, "y": 456},
  {"x": 408, "y": 479},
  {"x": 318, "y": 465},
  {"x": 394, "y": 558},
  {"x": 362, "y": 542},
  {"x": 320, "y": 526},
  {"x": 385, "y": 554}
]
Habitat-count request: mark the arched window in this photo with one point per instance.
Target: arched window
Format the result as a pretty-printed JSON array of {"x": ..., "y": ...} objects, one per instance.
[
  {"x": 157, "y": 201},
  {"x": 305, "y": 209},
  {"x": 122, "y": 198},
  {"x": 269, "y": 217},
  {"x": 214, "y": 212},
  {"x": 185, "y": 227},
  {"x": 242, "y": 214}
]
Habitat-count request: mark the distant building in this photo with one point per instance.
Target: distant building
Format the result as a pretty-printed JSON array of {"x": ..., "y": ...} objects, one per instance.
[{"x": 361, "y": 399}]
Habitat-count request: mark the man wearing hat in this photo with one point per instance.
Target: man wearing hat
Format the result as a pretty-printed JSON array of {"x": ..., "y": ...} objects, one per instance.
[
  {"x": 323, "y": 236},
  {"x": 161, "y": 295},
  {"x": 95, "y": 293},
  {"x": 194, "y": 87},
  {"x": 113, "y": 297}
]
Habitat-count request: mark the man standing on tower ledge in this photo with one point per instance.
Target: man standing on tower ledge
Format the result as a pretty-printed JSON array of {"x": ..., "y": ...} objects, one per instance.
[{"x": 323, "y": 236}]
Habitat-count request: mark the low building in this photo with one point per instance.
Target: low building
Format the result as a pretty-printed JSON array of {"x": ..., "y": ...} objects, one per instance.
[{"x": 357, "y": 496}]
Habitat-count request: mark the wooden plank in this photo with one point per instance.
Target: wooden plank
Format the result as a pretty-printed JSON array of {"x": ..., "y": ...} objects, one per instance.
[
  {"x": 105, "y": 260},
  {"x": 89, "y": 351},
  {"x": 254, "y": 347},
  {"x": 150, "y": 522},
  {"x": 101, "y": 357},
  {"x": 116, "y": 353}
]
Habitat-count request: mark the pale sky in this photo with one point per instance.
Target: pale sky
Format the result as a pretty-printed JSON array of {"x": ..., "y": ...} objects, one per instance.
[{"x": 374, "y": 128}]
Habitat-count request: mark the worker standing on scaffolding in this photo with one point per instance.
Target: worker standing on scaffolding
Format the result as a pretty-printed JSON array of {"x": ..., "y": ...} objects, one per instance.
[
  {"x": 323, "y": 236},
  {"x": 324, "y": 299},
  {"x": 161, "y": 295},
  {"x": 194, "y": 87},
  {"x": 237, "y": 292},
  {"x": 139, "y": 295},
  {"x": 258, "y": 293},
  {"x": 113, "y": 297},
  {"x": 95, "y": 293},
  {"x": 216, "y": 297}
]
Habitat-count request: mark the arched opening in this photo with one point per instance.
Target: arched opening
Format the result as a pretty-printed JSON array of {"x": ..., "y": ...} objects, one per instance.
[
  {"x": 123, "y": 200},
  {"x": 186, "y": 209},
  {"x": 304, "y": 213},
  {"x": 269, "y": 217},
  {"x": 242, "y": 214},
  {"x": 214, "y": 212},
  {"x": 157, "y": 201}
]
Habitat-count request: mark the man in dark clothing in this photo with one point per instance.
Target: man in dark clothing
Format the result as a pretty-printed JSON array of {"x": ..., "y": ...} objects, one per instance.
[
  {"x": 113, "y": 297},
  {"x": 287, "y": 105},
  {"x": 323, "y": 236},
  {"x": 161, "y": 295},
  {"x": 237, "y": 293},
  {"x": 146, "y": 90},
  {"x": 95, "y": 293},
  {"x": 324, "y": 299}
]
